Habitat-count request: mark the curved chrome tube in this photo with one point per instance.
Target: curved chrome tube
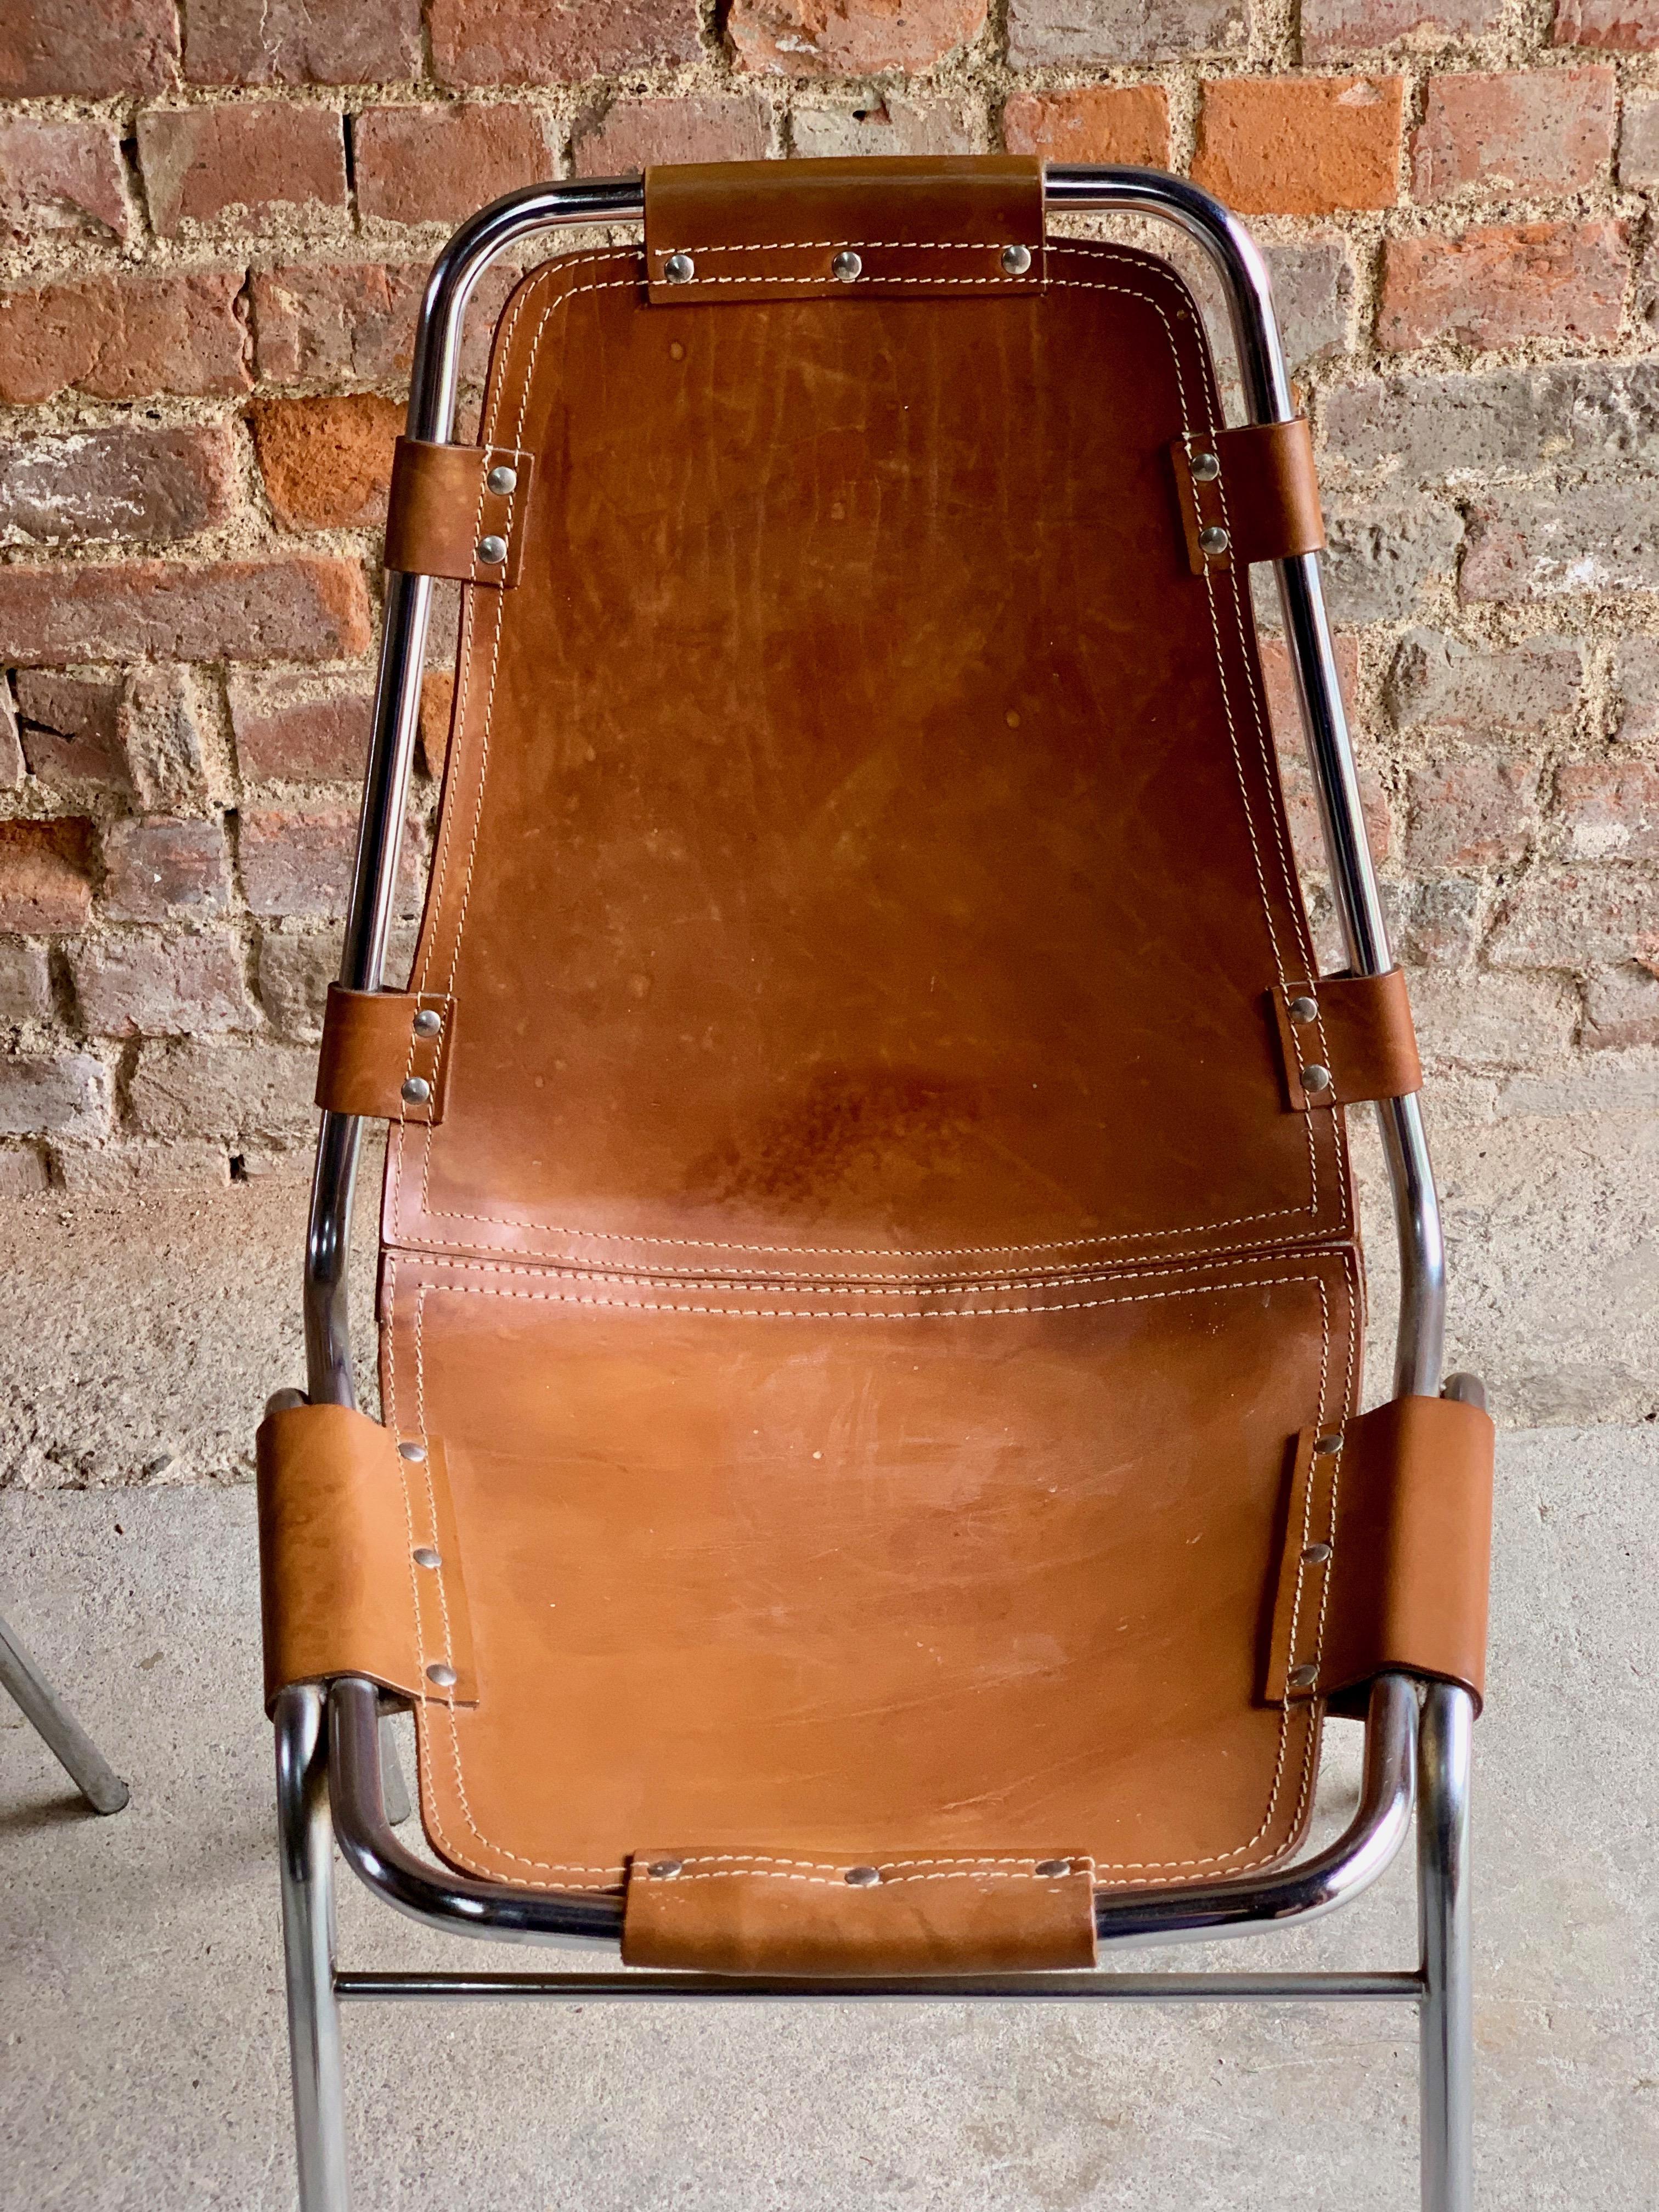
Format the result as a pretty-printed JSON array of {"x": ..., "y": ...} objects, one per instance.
[{"x": 1199, "y": 1913}]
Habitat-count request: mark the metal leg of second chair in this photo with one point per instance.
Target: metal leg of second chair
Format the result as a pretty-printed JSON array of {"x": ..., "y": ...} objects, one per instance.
[
  {"x": 305, "y": 1843},
  {"x": 1447, "y": 2014},
  {"x": 68, "y": 1742}
]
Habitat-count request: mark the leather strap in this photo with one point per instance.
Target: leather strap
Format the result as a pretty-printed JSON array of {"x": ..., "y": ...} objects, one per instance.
[
  {"x": 1387, "y": 1553},
  {"x": 728, "y": 1911},
  {"x": 445, "y": 519},
  {"x": 775, "y": 230},
  {"x": 386, "y": 1053},
  {"x": 1248, "y": 495},
  {"x": 1344, "y": 1038},
  {"x": 348, "y": 1530}
]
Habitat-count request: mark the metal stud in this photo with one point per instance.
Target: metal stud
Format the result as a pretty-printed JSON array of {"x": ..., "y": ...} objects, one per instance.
[
  {"x": 416, "y": 1091},
  {"x": 1049, "y": 1868},
  {"x": 1206, "y": 467},
  {"x": 492, "y": 550},
  {"x": 679, "y": 268},
  {"x": 1326, "y": 1445},
  {"x": 1316, "y": 1078},
  {"x": 442, "y": 1674},
  {"x": 426, "y": 1557},
  {"x": 862, "y": 1877},
  {"x": 502, "y": 480},
  {"x": 1303, "y": 1010},
  {"x": 415, "y": 1452},
  {"x": 1315, "y": 1555},
  {"x": 426, "y": 1024},
  {"x": 1213, "y": 541},
  {"x": 1016, "y": 260},
  {"x": 846, "y": 268},
  {"x": 665, "y": 1869},
  {"x": 1303, "y": 1678}
]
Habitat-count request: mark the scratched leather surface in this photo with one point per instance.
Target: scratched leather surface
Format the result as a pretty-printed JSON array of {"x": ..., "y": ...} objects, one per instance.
[{"x": 867, "y": 1279}]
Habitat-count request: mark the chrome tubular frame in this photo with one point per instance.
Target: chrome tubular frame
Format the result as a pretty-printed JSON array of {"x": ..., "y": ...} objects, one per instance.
[{"x": 331, "y": 1776}]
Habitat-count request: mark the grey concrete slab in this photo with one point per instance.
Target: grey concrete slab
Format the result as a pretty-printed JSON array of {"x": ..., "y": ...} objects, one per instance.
[{"x": 141, "y": 2017}]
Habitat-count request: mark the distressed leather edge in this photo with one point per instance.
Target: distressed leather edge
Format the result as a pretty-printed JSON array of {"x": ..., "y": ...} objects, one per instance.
[{"x": 370, "y": 1050}]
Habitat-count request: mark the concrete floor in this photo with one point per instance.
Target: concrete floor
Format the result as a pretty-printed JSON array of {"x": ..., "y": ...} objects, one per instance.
[{"x": 141, "y": 2016}]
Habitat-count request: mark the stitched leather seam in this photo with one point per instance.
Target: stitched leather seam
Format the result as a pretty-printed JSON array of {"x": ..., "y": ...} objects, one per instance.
[{"x": 865, "y": 244}]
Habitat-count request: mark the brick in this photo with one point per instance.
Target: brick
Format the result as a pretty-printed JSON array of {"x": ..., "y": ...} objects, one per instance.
[
  {"x": 60, "y": 179},
  {"x": 131, "y": 483},
  {"x": 161, "y": 738},
  {"x": 1439, "y": 923},
  {"x": 62, "y": 1095},
  {"x": 137, "y": 984},
  {"x": 1300, "y": 145},
  {"x": 1622, "y": 1009},
  {"x": 326, "y": 463},
  {"x": 1493, "y": 1021},
  {"x": 242, "y": 168},
  {"x": 1525, "y": 544},
  {"x": 1376, "y": 561},
  {"x": 70, "y": 730},
  {"x": 189, "y": 1089},
  {"x": 1296, "y": 778},
  {"x": 1638, "y": 143},
  {"x": 52, "y": 47},
  {"x": 123, "y": 1167},
  {"x": 1579, "y": 919},
  {"x": 1425, "y": 428},
  {"x": 439, "y": 164},
  {"x": 1471, "y": 811},
  {"x": 1612, "y": 413},
  {"x": 295, "y": 974},
  {"x": 1636, "y": 684},
  {"x": 1439, "y": 684},
  {"x": 307, "y": 607},
  {"x": 1331, "y": 29},
  {"x": 288, "y": 731},
  {"x": 1500, "y": 284},
  {"x": 437, "y": 711},
  {"x": 828, "y": 38},
  {"x": 1314, "y": 295},
  {"x": 23, "y": 1172},
  {"x": 13, "y": 767},
  {"x": 895, "y": 123},
  {"x": 1091, "y": 123},
  {"x": 1609, "y": 810},
  {"x": 301, "y": 41},
  {"x": 1629, "y": 26},
  {"x": 1530, "y": 131},
  {"x": 527, "y": 42},
  {"x": 297, "y": 863},
  {"x": 698, "y": 127},
  {"x": 161, "y": 871},
  {"x": 45, "y": 877},
  {"x": 1041, "y": 31},
  {"x": 124, "y": 337},
  {"x": 333, "y": 322},
  {"x": 25, "y": 985}
]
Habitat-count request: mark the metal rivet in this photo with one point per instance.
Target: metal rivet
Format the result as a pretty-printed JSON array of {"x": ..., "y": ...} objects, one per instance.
[
  {"x": 426, "y": 1557},
  {"x": 416, "y": 1091},
  {"x": 443, "y": 1675},
  {"x": 1213, "y": 541},
  {"x": 848, "y": 268},
  {"x": 1206, "y": 467},
  {"x": 415, "y": 1452},
  {"x": 1304, "y": 1010},
  {"x": 1303, "y": 1678},
  {"x": 1049, "y": 1868},
  {"x": 1016, "y": 260},
  {"x": 502, "y": 480},
  {"x": 1316, "y": 1554},
  {"x": 665, "y": 1869},
  {"x": 1326, "y": 1444},
  {"x": 492, "y": 550},
  {"x": 1316, "y": 1078},
  {"x": 426, "y": 1024},
  {"x": 679, "y": 268},
  {"x": 862, "y": 1877}
]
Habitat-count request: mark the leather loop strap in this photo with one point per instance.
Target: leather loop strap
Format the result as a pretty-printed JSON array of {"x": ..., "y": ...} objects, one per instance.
[
  {"x": 360, "y": 1566},
  {"x": 735, "y": 1912},
  {"x": 1344, "y": 1038},
  {"x": 1248, "y": 495},
  {"x": 386, "y": 1053},
  {"x": 1387, "y": 1553},
  {"x": 854, "y": 229},
  {"x": 458, "y": 511}
]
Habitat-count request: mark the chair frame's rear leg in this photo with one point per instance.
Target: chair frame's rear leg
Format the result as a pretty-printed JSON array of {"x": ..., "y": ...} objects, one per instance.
[
  {"x": 62, "y": 1733},
  {"x": 306, "y": 1849},
  {"x": 1446, "y": 2016}
]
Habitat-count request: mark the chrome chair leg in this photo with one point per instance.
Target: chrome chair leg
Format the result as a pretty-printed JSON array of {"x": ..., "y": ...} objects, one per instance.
[
  {"x": 65, "y": 1737},
  {"x": 305, "y": 1845},
  {"x": 1446, "y": 2030}
]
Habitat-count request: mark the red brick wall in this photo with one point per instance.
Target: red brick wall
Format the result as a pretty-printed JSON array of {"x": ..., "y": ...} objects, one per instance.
[{"x": 214, "y": 222}]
